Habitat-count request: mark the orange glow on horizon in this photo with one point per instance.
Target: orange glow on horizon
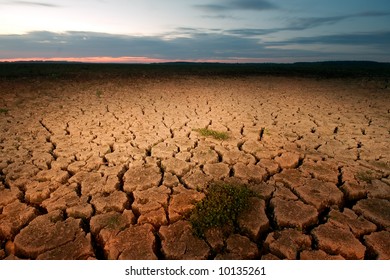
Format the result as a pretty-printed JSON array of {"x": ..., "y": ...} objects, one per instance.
[
  {"x": 137, "y": 59},
  {"x": 98, "y": 59}
]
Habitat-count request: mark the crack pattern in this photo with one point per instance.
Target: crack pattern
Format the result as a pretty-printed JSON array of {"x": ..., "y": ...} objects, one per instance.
[{"x": 129, "y": 165}]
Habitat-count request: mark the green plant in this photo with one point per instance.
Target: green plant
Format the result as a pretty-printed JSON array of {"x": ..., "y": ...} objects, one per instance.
[
  {"x": 381, "y": 164},
  {"x": 113, "y": 222},
  {"x": 365, "y": 176},
  {"x": 4, "y": 110},
  {"x": 99, "y": 93},
  {"x": 213, "y": 133},
  {"x": 221, "y": 206}
]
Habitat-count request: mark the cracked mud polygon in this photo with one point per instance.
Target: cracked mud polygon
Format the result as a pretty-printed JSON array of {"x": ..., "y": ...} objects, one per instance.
[{"x": 111, "y": 167}]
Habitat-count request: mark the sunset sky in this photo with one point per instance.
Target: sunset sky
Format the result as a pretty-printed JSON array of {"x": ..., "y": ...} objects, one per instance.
[{"x": 195, "y": 30}]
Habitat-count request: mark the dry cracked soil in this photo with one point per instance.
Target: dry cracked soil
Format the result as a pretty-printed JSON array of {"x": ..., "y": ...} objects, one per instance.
[{"x": 111, "y": 168}]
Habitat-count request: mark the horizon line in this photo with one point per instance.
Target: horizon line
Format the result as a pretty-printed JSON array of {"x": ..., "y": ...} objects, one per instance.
[{"x": 148, "y": 60}]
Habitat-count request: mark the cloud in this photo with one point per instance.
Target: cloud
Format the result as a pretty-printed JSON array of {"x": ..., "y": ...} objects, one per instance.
[
  {"x": 374, "y": 14},
  {"x": 253, "y": 5},
  {"x": 311, "y": 22},
  {"x": 220, "y": 16},
  {"x": 301, "y": 24},
  {"x": 250, "y": 32},
  {"x": 29, "y": 3},
  {"x": 364, "y": 39},
  {"x": 196, "y": 45},
  {"x": 258, "y": 5},
  {"x": 212, "y": 7}
]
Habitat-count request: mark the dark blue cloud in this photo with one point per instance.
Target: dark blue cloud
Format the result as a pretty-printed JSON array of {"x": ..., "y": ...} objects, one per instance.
[
  {"x": 303, "y": 23},
  {"x": 197, "y": 44},
  {"x": 32, "y": 3},
  {"x": 362, "y": 39},
  {"x": 250, "y": 32},
  {"x": 253, "y": 5},
  {"x": 221, "y": 16},
  {"x": 311, "y": 22},
  {"x": 258, "y": 5},
  {"x": 374, "y": 14},
  {"x": 212, "y": 7}
]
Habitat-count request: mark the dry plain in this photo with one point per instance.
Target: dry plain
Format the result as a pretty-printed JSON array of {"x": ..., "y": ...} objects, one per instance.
[{"x": 111, "y": 168}]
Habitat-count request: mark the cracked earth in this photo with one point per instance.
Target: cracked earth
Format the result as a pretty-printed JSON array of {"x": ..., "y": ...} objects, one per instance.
[{"x": 111, "y": 168}]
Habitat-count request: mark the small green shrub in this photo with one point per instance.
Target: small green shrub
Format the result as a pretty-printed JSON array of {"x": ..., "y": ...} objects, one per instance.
[
  {"x": 381, "y": 164},
  {"x": 4, "y": 111},
  {"x": 221, "y": 206},
  {"x": 99, "y": 93},
  {"x": 213, "y": 133},
  {"x": 365, "y": 176},
  {"x": 115, "y": 222}
]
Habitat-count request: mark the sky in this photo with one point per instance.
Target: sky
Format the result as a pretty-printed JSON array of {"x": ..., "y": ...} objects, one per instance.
[{"x": 233, "y": 31}]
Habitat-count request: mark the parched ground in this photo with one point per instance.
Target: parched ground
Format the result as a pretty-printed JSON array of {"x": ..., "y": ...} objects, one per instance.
[{"x": 111, "y": 168}]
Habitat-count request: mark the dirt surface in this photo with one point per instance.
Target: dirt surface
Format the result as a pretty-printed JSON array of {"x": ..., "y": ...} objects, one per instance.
[{"x": 111, "y": 168}]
